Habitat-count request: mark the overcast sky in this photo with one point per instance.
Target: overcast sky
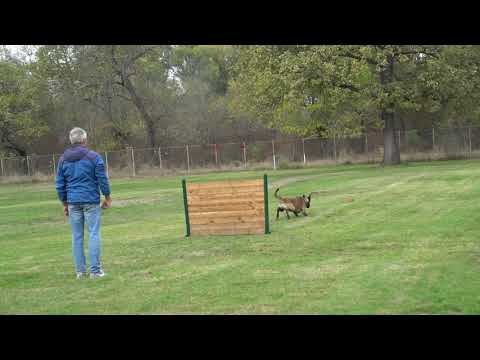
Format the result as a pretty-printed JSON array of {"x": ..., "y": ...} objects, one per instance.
[
  {"x": 16, "y": 52},
  {"x": 13, "y": 48}
]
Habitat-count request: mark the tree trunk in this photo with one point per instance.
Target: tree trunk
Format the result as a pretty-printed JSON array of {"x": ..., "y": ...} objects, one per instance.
[
  {"x": 12, "y": 145},
  {"x": 391, "y": 152},
  {"x": 148, "y": 120},
  {"x": 20, "y": 151},
  {"x": 118, "y": 133},
  {"x": 151, "y": 131},
  {"x": 17, "y": 149}
]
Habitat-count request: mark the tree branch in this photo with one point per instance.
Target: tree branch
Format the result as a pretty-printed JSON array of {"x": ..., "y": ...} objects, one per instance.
[
  {"x": 124, "y": 97},
  {"x": 139, "y": 55},
  {"x": 359, "y": 58},
  {"x": 112, "y": 54},
  {"x": 417, "y": 52},
  {"x": 94, "y": 103},
  {"x": 348, "y": 86},
  {"x": 116, "y": 67}
]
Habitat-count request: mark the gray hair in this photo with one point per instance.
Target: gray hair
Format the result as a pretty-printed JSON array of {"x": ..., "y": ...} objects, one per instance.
[{"x": 78, "y": 136}]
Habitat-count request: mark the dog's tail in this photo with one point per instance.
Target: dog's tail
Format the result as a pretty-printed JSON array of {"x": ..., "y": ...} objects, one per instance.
[{"x": 276, "y": 194}]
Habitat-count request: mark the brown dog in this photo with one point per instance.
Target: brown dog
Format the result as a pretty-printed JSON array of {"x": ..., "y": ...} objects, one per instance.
[{"x": 295, "y": 204}]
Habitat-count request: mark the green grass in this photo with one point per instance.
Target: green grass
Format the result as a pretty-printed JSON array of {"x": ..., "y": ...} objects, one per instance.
[{"x": 407, "y": 244}]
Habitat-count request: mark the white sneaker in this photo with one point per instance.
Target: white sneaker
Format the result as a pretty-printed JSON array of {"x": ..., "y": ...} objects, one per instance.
[
  {"x": 99, "y": 274},
  {"x": 81, "y": 275}
]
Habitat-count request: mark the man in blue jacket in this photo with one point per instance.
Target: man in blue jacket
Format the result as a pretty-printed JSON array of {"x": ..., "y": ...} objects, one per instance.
[{"x": 80, "y": 176}]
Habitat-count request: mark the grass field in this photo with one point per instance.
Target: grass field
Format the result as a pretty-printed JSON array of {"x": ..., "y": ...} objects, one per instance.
[{"x": 408, "y": 243}]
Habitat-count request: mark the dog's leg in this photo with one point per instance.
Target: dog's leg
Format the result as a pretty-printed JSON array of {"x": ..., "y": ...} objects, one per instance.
[
  {"x": 278, "y": 212},
  {"x": 304, "y": 213},
  {"x": 288, "y": 216},
  {"x": 296, "y": 213}
]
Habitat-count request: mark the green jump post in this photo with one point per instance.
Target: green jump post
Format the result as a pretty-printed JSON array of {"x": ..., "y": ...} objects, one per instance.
[
  {"x": 265, "y": 196},
  {"x": 185, "y": 204}
]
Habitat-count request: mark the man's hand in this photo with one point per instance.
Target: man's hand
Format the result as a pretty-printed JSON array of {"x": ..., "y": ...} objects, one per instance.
[
  {"x": 65, "y": 209},
  {"x": 107, "y": 203}
]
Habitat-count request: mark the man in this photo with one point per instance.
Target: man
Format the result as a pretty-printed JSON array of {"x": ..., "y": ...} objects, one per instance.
[{"x": 80, "y": 174}]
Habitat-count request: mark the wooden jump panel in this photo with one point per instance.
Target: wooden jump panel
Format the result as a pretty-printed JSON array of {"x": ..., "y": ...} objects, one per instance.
[{"x": 225, "y": 207}]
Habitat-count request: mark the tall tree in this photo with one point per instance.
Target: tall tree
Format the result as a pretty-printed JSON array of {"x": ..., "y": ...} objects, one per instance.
[
  {"x": 143, "y": 71},
  {"x": 108, "y": 77},
  {"x": 21, "y": 120},
  {"x": 306, "y": 88}
]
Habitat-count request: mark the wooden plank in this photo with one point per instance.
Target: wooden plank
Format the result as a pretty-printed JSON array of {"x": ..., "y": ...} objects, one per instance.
[
  {"x": 233, "y": 201},
  {"x": 225, "y": 228},
  {"x": 225, "y": 190},
  {"x": 228, "y": 194},
  {"x": 258, "y": 195},
  {"x": 228, "y": 183},
  {"x": 226, "y": 213},
  {"x": 227, "y": 202},
  {"x": 226, "y": 205},
  {"x": 213, "y": 200},
  {"x": 233, "y": 220},
  {"x": 230, "y": 232},
  {"x": 221, "y": 208}
]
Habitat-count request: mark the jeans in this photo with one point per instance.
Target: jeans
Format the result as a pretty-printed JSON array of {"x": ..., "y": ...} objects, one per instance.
[{"x": 91, "y": 214}]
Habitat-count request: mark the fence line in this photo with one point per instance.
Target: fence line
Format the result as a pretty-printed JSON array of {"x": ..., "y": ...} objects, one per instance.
[{"x": 419, "y": 144}]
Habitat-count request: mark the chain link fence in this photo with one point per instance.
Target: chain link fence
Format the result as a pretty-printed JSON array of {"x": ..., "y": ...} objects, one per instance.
[{"x": 415, "y": 145}]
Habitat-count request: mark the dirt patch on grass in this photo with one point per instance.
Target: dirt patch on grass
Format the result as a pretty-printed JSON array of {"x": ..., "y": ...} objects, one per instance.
[
  {"x": 292, "y": 179},
  {"x": 136, "y": 201},
  {"x": 319, "y": 272},
  {"x": 257, "y": 309},
  {"x": 266, "y": 272}
]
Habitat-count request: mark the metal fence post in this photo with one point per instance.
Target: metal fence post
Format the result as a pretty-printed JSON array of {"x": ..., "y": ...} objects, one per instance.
[
  {"x": 54, "y": 165},
  {"x": 245, "y": 154},
  {"x": 216, "y": 154},
  {"x": 433, "y": 138},
  {"x": 188, "y": 159},
  {"x": 334, "y": 148},
  {"x": 265, "y": 205},
  {"x": 28, "y": 166},
  {"x": 132, "y": 156},
  {"x": 273, "y": 152},
  {"x": 470, "y": 141},
  {"x": 366, "y": 147},
  {"x": 106, "y": 162},
  {"x": 406, "y": 141},
  {"x": 1, "y": 166},
  {"x": 160, "y": 156},
  {"x": 303, "y": 150},
  {"x": 185, "y": 206}
]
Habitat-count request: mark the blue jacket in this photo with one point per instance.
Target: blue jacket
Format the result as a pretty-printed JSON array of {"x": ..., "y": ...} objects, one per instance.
[{"x": 80, "y": 174}]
